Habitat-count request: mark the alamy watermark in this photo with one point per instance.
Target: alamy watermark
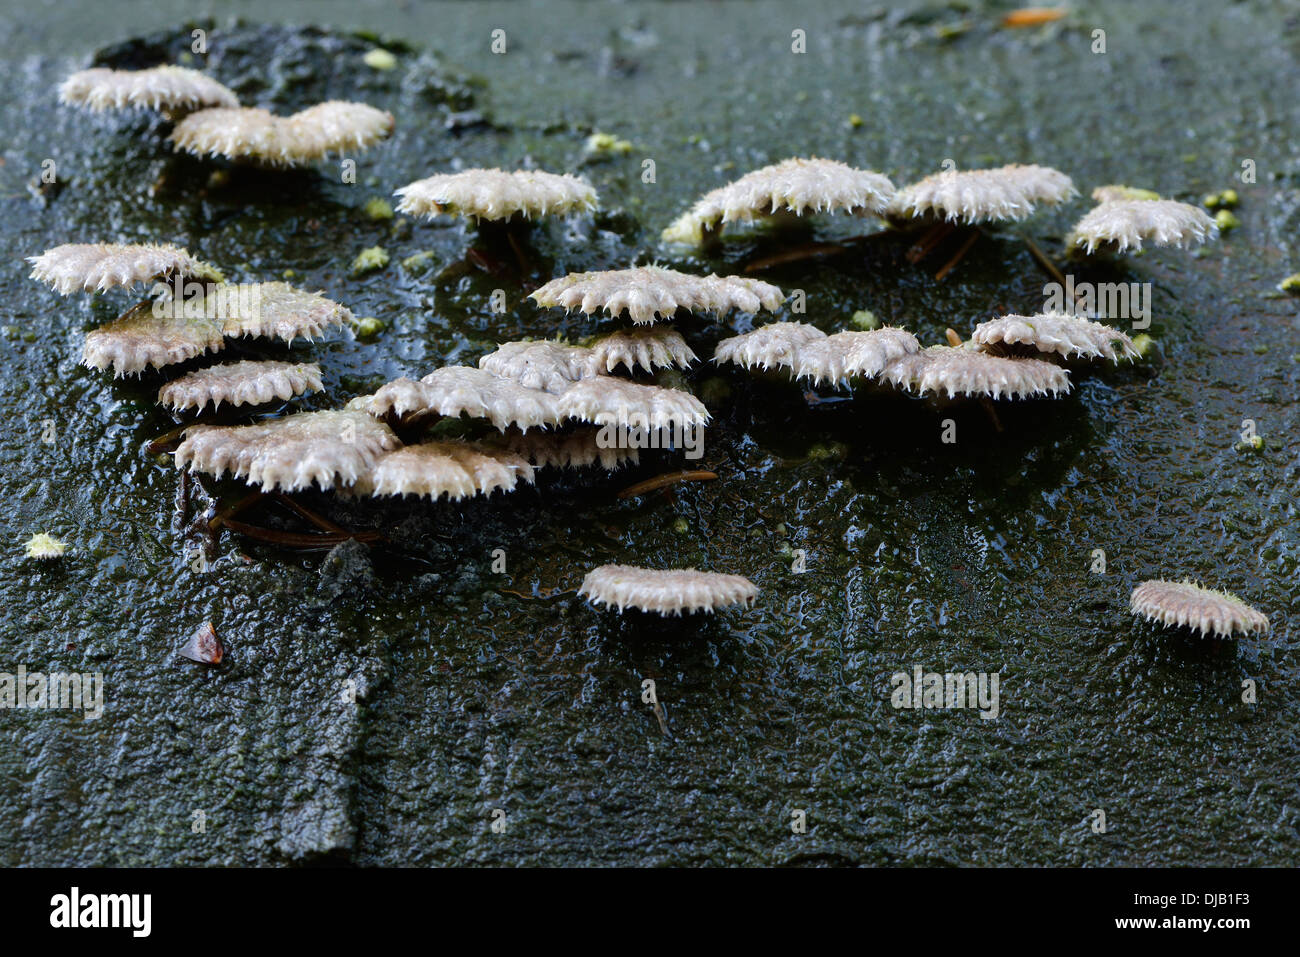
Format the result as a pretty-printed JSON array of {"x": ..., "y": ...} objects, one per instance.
[
  {"x": 1104, "y": 300},
  {"x": 952, "y": 689},
  {"x": 634, "y": 430},
  {"x": 57, "y": 689},
  {"x": 206, "y": 300}
]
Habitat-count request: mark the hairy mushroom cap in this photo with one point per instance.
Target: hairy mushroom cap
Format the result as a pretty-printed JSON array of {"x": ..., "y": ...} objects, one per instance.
[
  {"x": 982, "y": 195},
  {"x": 576, "y": 449},
  {"x": 665, "y": 591},
  {"x": 140, "y": 340},
  {"x": 551, "y": 366},
  {"x": 241, "y": 383},
  {"x": 453, "y": 468},
  {"x": 290, "y": 453},
  {"x": 1067, "y": 336},
  {"x": 1119, "y": 224},
  {"x": 43, "y": 546},
  {"x": 259, "y": 136},
  {"x": 276, "y": 310},
  {"x": 956, "y": 371},
  {"x": 658, "y": 346},
  {"x": 852, "y": 354},
  {"x": 650, "y": 293},
  {"x": 87, "y": 267},
  {"x": 495, "y": 194},
  {"x": 1184, "y": 604},
  {"x": 795, "y": 186},
  {"x": 461, "y": 390},
  {"x": 157, "y": 88},
  {"x": 772, "y": 345},
  {"x": 605, "y": 400}
]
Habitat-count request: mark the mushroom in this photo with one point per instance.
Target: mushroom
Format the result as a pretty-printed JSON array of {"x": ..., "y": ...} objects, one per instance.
[
  {"x": 665, "y": 591},
  {"x": 658, "y": 345},
  {"x": 461, "y": 390},
  {"x": 1116, "y": 225},
  {"x": 972, "y": 197},
  {"x": 456, "y": 469},
  {"x": 43, "y": 547},
  {"x": 1052, "y": 333},
  {"x": 492, "y": 194},
  {"x": 1187, "y": 605},
  {"x": 550, "y": 366},
  {"x": 91, "y": 267},
  {"x": 240, "y": 383},
  {"x": 955, "y": 371},
  {"x": 260, "y": 137},
  {"x": 794, "y": 186},
  {"x": 290, "y": 453},
  {"x": 148, "y": 338},
  {"x": 651, "y": 293},
  {"x": 170, "y": 88},
  {"x": 276, "y": 310},
  {"x": 605, "y": 401},
  {"x": 809, "y": 353}
]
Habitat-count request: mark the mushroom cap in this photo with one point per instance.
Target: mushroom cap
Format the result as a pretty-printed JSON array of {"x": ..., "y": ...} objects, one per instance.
[
  {"x": 157, "y": 88},
  {"x": 44, "y": 546},
  {"x": 983, "y": 195},
  {"x": 88, "y": 267},
  {"x": 606, "y": 400},
  {"x": 551, "y": 366},
  {"x": 953, "y": 371},
  {"x": 852, "y": 354},
  {"x": 665, "y": 591},
  {"x": 578, "y": 448},
  {"x": 1124, "y": 223},
  {"x": 809, "y": 353},
  {"x": 456, "y": 469},
  {"x": 775, "y": 344},
  {"x": 333, "y": 447},
  {"x": 650, "y": 293},
  {"x": 1067, "y": 336},
  {"x": 794, "y": 185},
  {"x": 276, "y": 310},
  {"x": 655, "y": 346},
  {"x": 477, "y": 393},
  {"x": 1185, "y": 604},
  {"x": 247, "y": 382},
  {"x": 259, "y": 136},
  {"x": 141, "y": 339},
  {"x": 495, "y": 194}
]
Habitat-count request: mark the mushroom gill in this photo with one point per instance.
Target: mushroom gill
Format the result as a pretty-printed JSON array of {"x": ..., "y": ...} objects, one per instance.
[
  {"x": 665, "y": 591},
  {"x": 1185, "y": 604}
]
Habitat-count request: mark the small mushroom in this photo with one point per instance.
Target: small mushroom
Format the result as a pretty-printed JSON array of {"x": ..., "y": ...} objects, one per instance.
[
  {"x": 657, "y": 346},
  {"x": 794, "y": 186},
  {"x": 204, "y": 646},
  {"x": 456, "y": 469},
  {"x": 260, "y": 137},
  {"x": 277, "y": 310},
  {"x": 147, "y": 338},
  {"x": 290, "y": 453},
  {"x": 1070, "y": 337},
  {"x": 1184, "y": 604},
  {"x": 92, "y": 267},
  {"x": 954, "y": 371},
  {"x": 1007, "y": 193},
  {"x": 240, "y": 383},
  {"x": 650, "y": 293},
  {"x": 551, "y": 366},
  {"x": 171, "y": 88},
  {"x": 665, "y": 591},
  {"x": 44, "y": 547},
  {"x": 605, "y": 400},
  {"x": 809, "y": 353},
  {"x": 775, "y": 344},
  {"x": 461, "y": 390},
  {"x": 1117, "y": 225},
  {"x": 493, "y": 194}
]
